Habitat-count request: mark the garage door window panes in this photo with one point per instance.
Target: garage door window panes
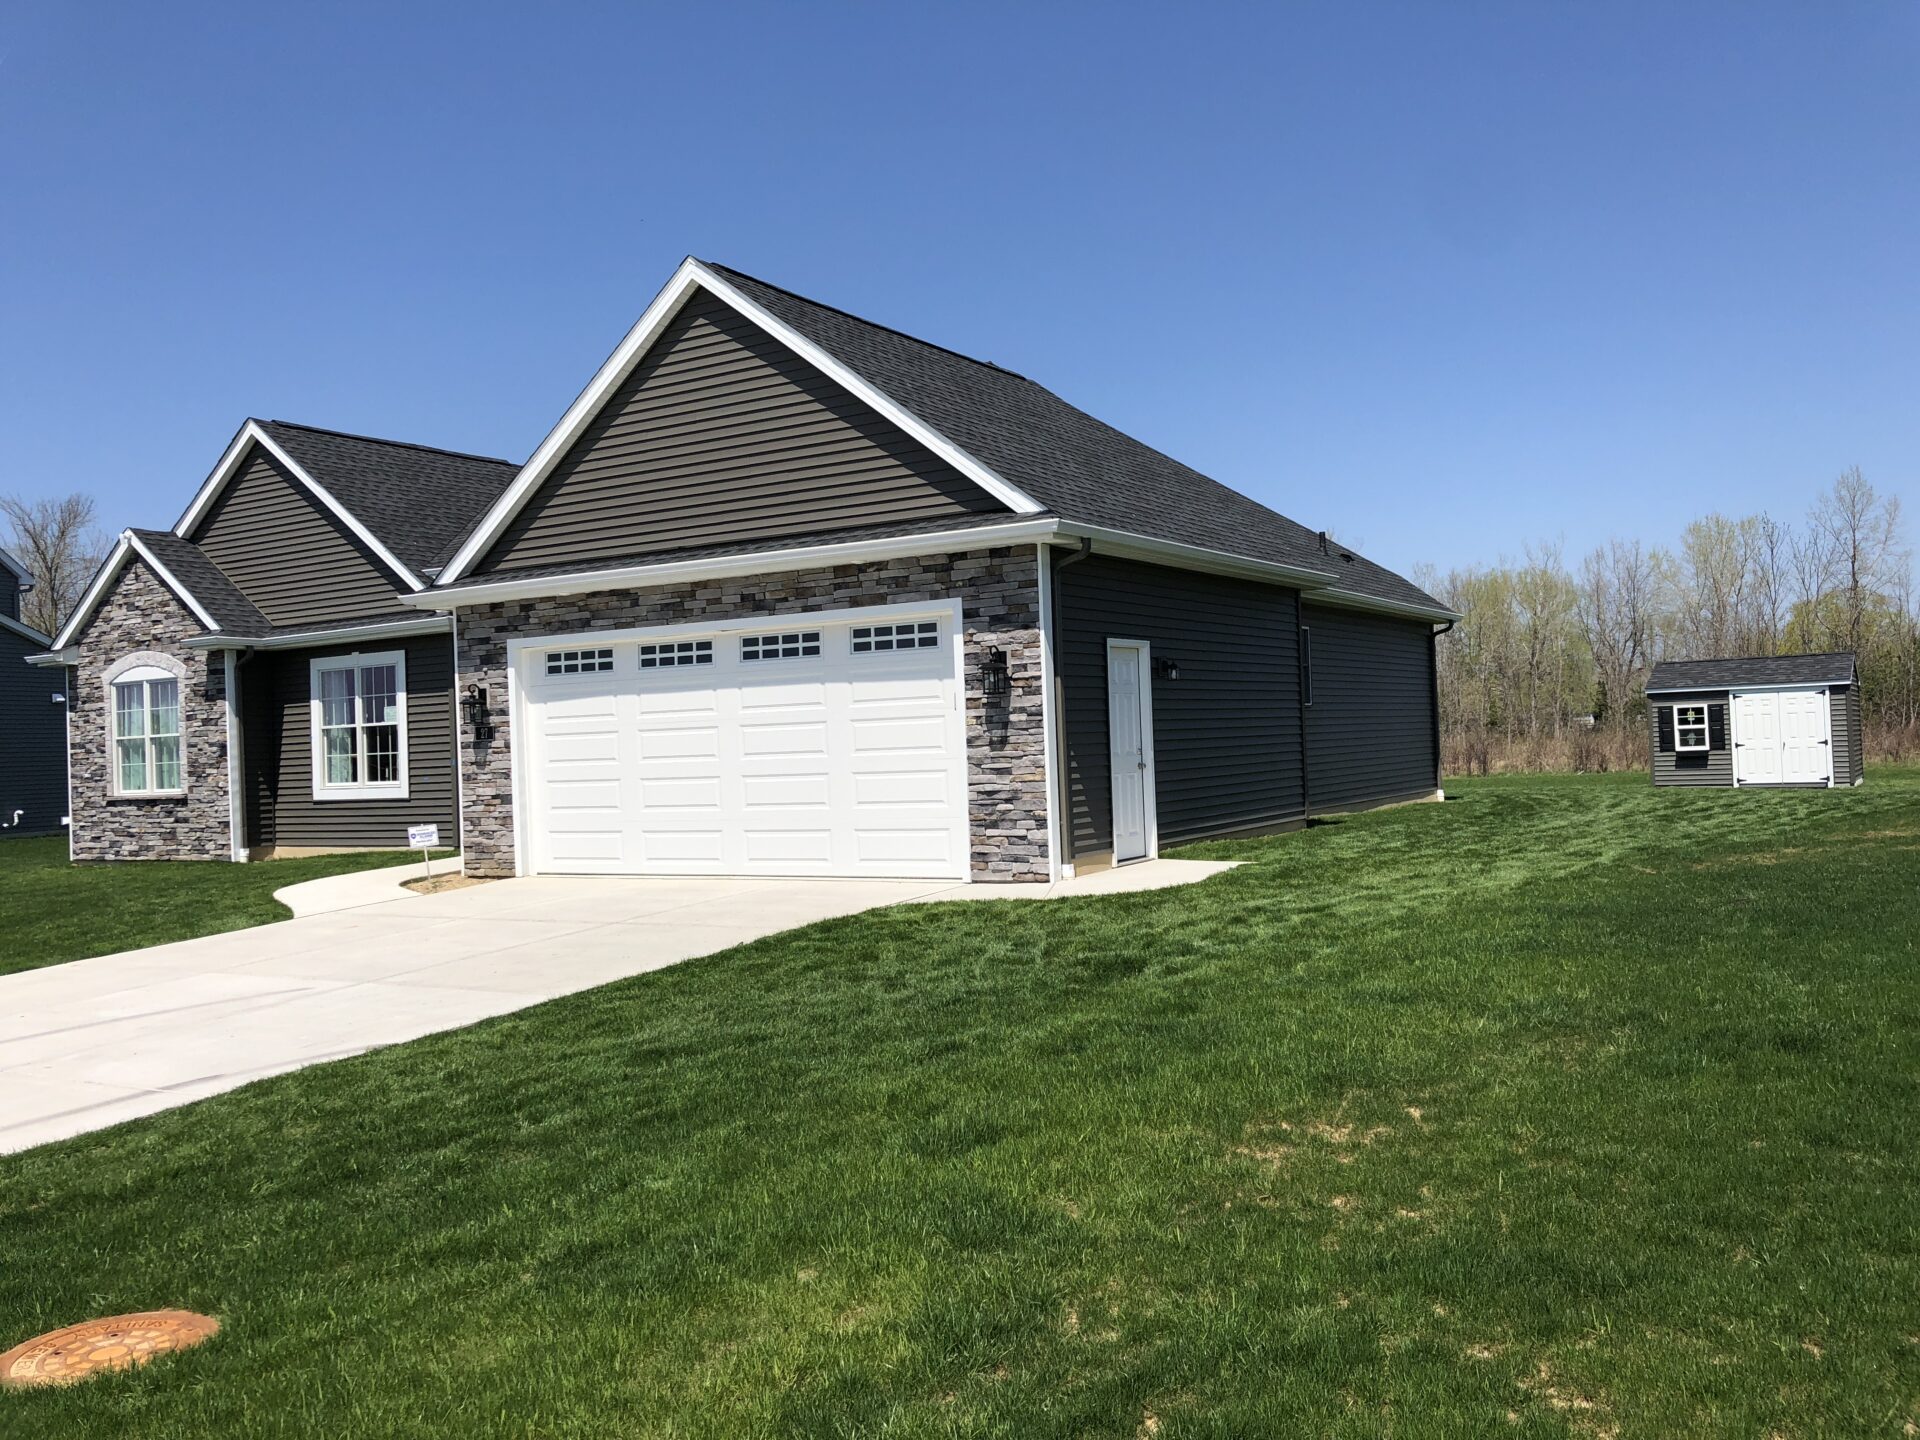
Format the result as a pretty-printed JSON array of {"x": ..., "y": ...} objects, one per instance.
[
  {"x": 578, "y": 662},
  {"x": 792, "y": 645},
  {"x": 1690, "y": 727},
  {"x": 685, "y": 652},
  {"x": 359, "y": 709},
  {"x": 910, "y": 635}
]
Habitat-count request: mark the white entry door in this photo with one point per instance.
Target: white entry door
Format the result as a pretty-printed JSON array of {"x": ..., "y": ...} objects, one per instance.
[
  {"x": 1130, "y": 740},
  {"x": 1805, "y": 755},
  {"x": 1782, "y": 737},
  {"x": 814, "y": 745},
  {"x": 1756, "y": 726}
]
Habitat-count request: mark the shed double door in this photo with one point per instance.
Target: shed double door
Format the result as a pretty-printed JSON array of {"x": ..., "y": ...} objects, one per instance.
[{"x": 1782, "y": 737}]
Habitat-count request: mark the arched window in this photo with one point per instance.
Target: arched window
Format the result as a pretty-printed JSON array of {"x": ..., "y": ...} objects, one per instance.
[{"x": 143, "y": 723}]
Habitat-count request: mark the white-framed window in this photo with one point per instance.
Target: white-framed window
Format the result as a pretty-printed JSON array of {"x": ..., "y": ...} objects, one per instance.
[
  {"x": 1690, "y": 727},
  {"x": 670, "y": 653},
  {"x": 578, "y": 662},
  {"x": 907, "y": 635},
  {"x": 359, "y": 726},
  {"x": 789, "y": 646},
  {"x": 146, "y": 733}
]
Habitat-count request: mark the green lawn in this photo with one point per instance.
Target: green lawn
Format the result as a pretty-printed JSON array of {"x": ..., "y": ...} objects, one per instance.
[
  {"x": 1566, "y": 1108},
  {"x": 52, "y": 910}
]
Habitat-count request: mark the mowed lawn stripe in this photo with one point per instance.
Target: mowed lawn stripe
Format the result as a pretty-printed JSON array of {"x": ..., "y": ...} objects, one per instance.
[{"x": 1566, "y": 1107}]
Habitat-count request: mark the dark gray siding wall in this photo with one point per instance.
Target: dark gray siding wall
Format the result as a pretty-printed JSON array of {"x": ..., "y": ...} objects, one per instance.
[
  {"x": 278, "y": 760},
  {"x": 33, "y": 739},
  {"x": 1849, "y": 743},
  {"x": 724, "y": 434},
  {"x": 288, "y": 555},
  {"x": 1370, "y": 728},
  {"x": 1226, "y": 734},
  {"x": 1670, "y": 768},
  {"x": 9, "y": 594}
]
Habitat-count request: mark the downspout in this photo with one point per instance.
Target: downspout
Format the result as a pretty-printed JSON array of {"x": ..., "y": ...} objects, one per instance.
[
  {"x": 1065, "y": 784},
  {"x": 238, "y": 839},
  {"x": 1433, "y": 668}
]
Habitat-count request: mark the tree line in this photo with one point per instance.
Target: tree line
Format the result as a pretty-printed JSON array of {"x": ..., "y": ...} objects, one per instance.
[{"x": 1546, "y": 668}]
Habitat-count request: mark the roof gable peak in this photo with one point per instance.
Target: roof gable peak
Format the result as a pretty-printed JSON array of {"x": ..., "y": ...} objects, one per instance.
[{"x": 691, "y": 276}]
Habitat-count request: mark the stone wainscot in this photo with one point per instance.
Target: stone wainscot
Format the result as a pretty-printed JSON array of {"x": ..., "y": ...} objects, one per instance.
[{"x": 1000, "y": 608}]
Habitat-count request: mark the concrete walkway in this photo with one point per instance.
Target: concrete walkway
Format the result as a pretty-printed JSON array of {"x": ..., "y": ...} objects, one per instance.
[{"x": 365, "y": 963}]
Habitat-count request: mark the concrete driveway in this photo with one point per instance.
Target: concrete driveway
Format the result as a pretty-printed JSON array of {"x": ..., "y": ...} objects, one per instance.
[{"x": 90, "y": 1043}]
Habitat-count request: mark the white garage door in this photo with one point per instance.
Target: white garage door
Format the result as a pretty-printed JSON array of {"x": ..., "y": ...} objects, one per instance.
[{"x": 830, "y": 745}]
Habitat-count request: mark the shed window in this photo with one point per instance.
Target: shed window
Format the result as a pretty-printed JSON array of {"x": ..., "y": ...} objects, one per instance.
[
  {"x": 911, "y": 635},
  {"x": 679, "y": 652},
  {"x": 146, "y": 734},
  {"x": 790, "y": 646},
  {"x": 1690, "y": 727},
  {"x": 359, "y": 726},
  {"x": 578, "y": 662}
]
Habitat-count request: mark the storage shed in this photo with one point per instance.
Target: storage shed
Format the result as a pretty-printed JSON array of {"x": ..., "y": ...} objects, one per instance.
[{"x": 1777, "y": 720}]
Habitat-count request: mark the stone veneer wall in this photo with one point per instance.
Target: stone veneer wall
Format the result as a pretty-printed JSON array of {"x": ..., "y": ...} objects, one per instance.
[
  {"x": 1000, "y": 607},
  {"x": 141, "y": 613}
]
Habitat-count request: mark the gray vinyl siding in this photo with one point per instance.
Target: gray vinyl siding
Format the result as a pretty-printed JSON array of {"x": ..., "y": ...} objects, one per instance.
[
  {"x": 289, "y": 555},
  {"x": 9, "y": 594},
  {"x": 1843, "y": 703},
  {"x": 1370, "y": 728},
  {"x": 275, "y": 693},
  {"x": 33, "y": 739},
  {"x": 1226, "y": 734},
  {"x": 722, "y": 434},
  {"x": 1672, "y": 768}
]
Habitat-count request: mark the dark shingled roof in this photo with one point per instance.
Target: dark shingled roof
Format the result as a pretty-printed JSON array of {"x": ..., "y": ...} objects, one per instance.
[
  {"x": 206, "y": 582},
  {"x": 1832, "y": 668},
  {"x": 1076, "y": 466},
  {"x": 419, "y": 501}
]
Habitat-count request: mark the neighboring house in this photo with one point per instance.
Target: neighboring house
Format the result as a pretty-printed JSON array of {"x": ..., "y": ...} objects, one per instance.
[
  {"x": 784, "y": 592},
  {"x": 33, "y": 740},
  {"x": 1777, "y": 720}
]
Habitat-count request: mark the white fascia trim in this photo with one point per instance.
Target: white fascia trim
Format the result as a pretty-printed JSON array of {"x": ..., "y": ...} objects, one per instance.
[
  {"x": 1738, "y": 690},
  {"x": 24, "y": 630},
  {"x": 313, "y": 639},
  {"x": 945, "y": 607},
  {"x": 717, "y": 567},
  {"x": 1348, "y": 600},
  {"x": 69, "y": 656},
  {"x": 252, "y": 434},
  {"x": 1129, "y": 546},
  {"x": 167, "y": 578},
  {"x": 692, "y": 275},
  {"x": 126, "y": 546}
]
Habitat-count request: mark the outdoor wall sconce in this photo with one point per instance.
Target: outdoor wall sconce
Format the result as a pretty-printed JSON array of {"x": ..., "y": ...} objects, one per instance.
[
  {"x": 1165, "y": 668},
  {"x": 479, "y": 720},
  {"x": 994, "y": 682}
]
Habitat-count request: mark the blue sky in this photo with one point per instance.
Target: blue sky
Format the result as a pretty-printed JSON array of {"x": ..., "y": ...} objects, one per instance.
[{"x": 1441, "y": 278}]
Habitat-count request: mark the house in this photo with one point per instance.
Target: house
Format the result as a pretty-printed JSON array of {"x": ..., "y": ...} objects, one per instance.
[
  {"x": 1777, "y": 720},
  {"x": 784, "y": 592},
  {"x": 33, "y": 740}
]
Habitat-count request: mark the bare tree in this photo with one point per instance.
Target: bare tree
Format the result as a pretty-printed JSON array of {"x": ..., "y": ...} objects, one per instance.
[
  {"x": 1860, "y": 533},
  {"x": 59, "y": 543},
  {"x": 1614, "y": 602}
]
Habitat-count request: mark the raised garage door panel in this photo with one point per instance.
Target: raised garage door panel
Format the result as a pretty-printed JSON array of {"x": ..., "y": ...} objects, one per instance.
[{"x": 827, "y": 763}]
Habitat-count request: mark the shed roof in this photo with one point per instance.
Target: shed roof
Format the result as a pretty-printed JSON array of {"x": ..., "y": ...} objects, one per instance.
[{"x": 1829, "y": 668}]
